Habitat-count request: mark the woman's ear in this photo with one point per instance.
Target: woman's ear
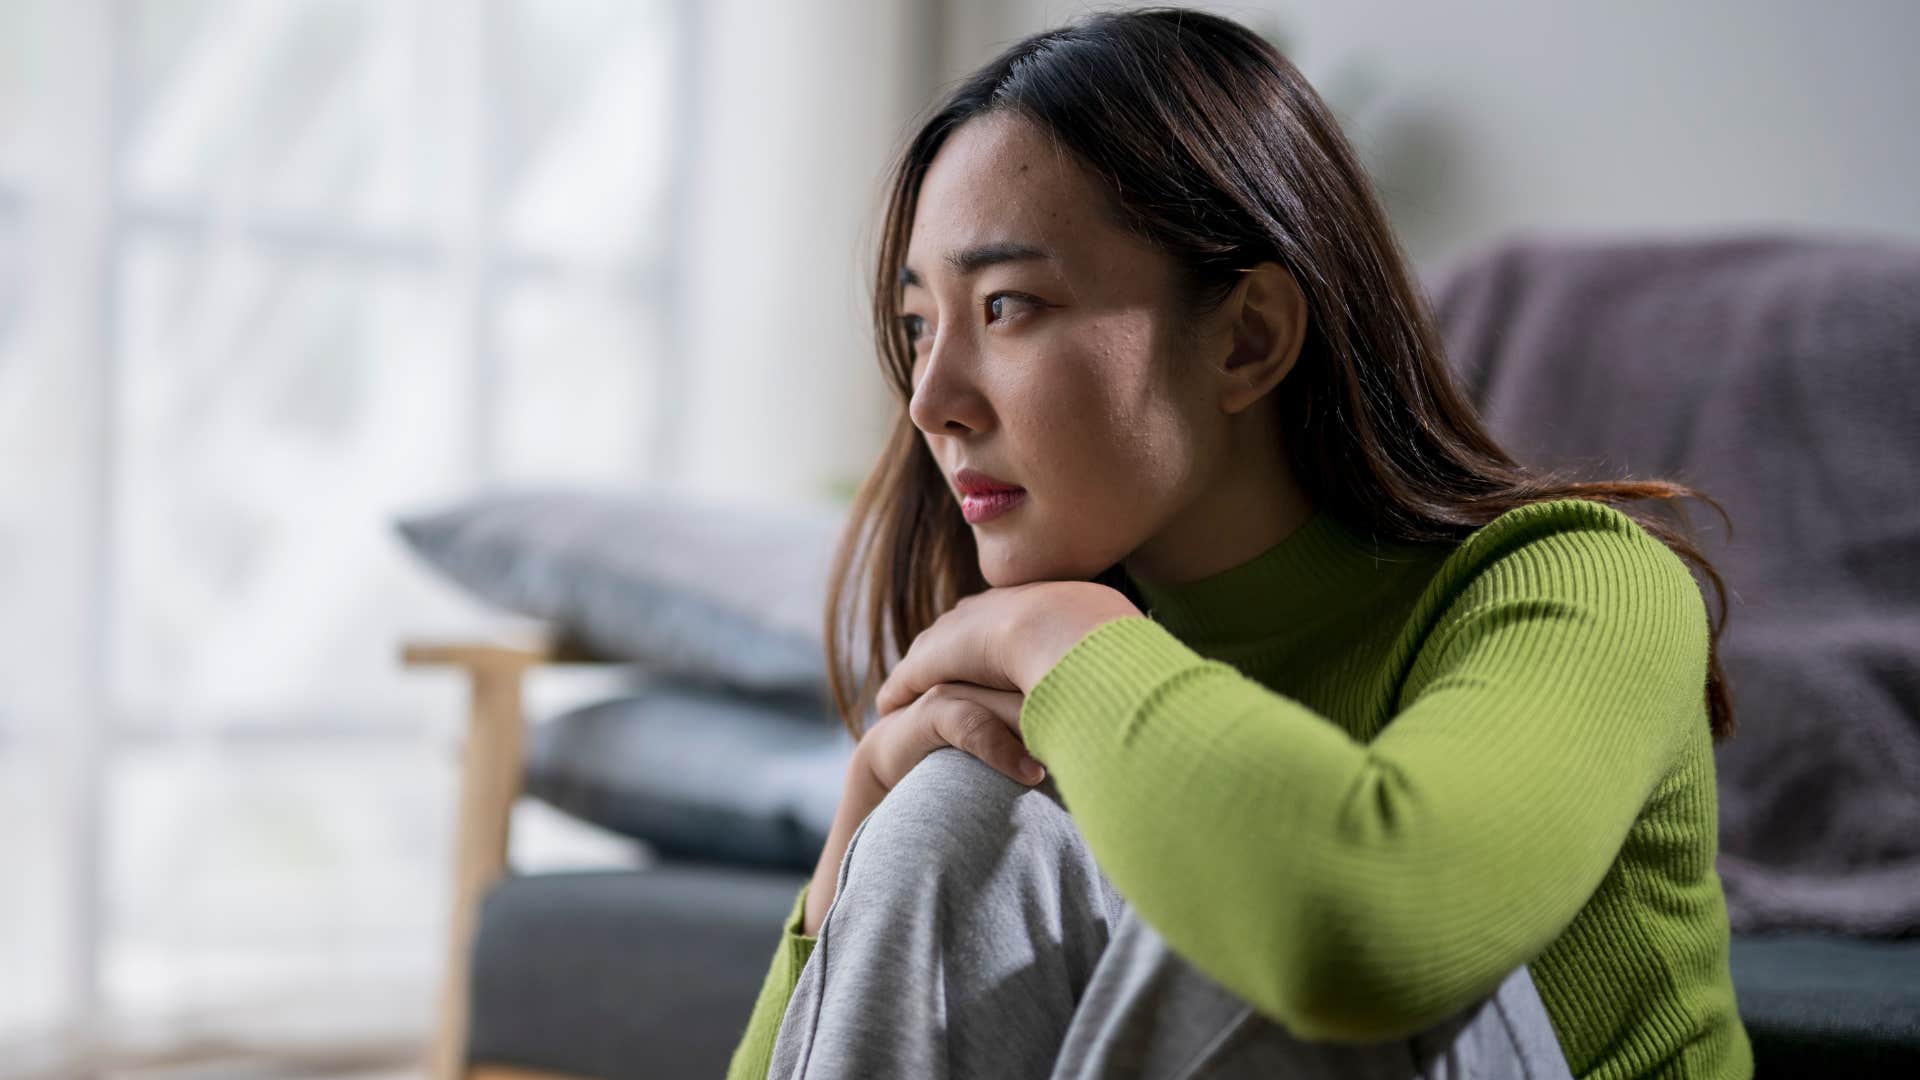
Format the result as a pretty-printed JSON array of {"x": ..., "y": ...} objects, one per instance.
[{"x": 1268, "y": 322}]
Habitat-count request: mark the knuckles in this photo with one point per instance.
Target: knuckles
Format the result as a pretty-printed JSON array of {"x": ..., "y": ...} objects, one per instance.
[{"x": 972, "y": 726}]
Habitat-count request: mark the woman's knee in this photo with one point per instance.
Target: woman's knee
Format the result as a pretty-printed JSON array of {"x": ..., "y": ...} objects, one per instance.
[{"x": 953, "y": 810}]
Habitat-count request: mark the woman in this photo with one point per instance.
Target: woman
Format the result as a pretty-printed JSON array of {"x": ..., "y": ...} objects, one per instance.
[{"x": 1384, "y": 754}]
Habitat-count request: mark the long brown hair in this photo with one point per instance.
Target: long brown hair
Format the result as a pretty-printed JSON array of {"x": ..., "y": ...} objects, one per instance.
[{"x": 1215, "y": 149}]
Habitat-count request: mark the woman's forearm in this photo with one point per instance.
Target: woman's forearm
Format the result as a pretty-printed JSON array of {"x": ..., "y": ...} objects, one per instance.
[{"x": 859, "y": 795}]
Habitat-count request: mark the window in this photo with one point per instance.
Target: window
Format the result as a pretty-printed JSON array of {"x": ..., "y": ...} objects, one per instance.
[{"x": 270, "y": 274}]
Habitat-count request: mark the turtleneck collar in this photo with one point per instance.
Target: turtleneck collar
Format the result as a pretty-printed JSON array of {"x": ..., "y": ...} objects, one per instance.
[{"x": 1313, "y": 573}]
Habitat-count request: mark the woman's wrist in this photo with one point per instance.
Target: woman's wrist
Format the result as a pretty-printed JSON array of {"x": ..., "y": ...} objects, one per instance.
[
  {"x": 1058, "y": 621},
  {"x": 859, "y": 794}
]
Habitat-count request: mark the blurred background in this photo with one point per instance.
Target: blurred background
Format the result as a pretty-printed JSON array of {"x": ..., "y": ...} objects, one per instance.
[{"x": 273, "y": 272}]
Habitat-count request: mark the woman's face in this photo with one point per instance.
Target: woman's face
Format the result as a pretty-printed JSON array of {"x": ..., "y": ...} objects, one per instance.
[{"x": 1049, "y": 353}]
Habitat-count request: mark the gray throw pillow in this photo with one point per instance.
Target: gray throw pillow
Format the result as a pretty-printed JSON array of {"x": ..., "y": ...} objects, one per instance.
[
  {"x": 699, "y": 591},
  {"x": 698, "y": 772}
]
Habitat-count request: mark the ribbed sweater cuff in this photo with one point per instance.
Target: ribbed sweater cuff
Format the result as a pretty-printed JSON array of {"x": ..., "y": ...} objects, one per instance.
[
  {"x": 754, "y": 1055},
  {"x": 1071, "y": 713},
  {"x": 790, "y": 935}
]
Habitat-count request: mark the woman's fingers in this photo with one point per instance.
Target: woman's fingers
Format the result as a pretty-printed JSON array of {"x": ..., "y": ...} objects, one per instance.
[
  {"x": 977, "y": 719},
  {"x": 982, "y": 721},
  {"x": 962, "y": 646},
  {"x": 899, "y": 690}
]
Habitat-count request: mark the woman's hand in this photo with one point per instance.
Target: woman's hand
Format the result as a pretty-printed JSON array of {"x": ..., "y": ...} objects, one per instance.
[
  {"x": 976, "y": 719},
  {"x": 1002, "y": 639},
  {"x": 979, "y": 720},
  {"x": 962, "y": 684}
]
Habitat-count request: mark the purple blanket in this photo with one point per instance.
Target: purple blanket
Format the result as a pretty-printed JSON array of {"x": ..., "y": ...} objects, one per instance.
[{"x": 1781, "y": 375}]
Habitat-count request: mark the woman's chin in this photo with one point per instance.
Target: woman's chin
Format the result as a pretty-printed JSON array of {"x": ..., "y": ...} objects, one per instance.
[
  {"x": 999, "y": 575},
  {"x": 1005, "y": 562}
]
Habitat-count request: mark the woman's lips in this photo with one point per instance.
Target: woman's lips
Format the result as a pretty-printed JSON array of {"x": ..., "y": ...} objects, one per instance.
[{"x": 987, "y": 505}]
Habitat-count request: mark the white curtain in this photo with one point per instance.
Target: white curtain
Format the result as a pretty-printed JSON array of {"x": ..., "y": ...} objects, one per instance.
[{"x": 273, "y": 271}]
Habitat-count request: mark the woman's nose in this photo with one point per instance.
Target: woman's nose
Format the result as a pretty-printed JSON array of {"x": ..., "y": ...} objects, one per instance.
[{"x": 947, "y": 400}]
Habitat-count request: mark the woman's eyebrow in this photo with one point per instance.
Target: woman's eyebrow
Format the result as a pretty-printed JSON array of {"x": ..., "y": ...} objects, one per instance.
[{"x": 969, "y": 261}]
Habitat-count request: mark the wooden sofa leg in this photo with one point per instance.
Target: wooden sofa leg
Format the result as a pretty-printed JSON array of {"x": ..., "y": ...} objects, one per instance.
[{"x": 490, "y": 777}]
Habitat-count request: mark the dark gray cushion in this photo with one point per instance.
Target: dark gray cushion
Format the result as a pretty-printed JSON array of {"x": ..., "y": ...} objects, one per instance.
[
  {"x": 701, "y": 591},
  {"x": 1818, "y": 1006},
  {"x": 1780, "y": 374},
  {"x": 699, "y": 772},
  {"x": 618, "y": 974}
]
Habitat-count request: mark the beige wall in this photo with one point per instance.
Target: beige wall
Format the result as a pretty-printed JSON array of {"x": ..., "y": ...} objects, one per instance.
[{"x": 1478, "y": 117}]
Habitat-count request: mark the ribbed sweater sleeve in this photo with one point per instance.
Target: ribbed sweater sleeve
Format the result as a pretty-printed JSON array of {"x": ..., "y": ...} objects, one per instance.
[
  {"x": 1363, "y": 891},
  {"x": 754, "y": 1055}
]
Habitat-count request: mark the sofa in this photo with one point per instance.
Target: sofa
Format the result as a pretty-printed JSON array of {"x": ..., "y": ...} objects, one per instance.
[{"x": 1778, "y": 373}]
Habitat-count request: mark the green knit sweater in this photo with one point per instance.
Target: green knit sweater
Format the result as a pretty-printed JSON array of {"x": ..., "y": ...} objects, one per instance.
[{"x": 1358, "y": 783}]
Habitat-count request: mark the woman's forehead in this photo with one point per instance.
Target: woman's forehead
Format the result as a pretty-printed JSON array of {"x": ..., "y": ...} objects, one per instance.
[{"x": 997, "y": 181}]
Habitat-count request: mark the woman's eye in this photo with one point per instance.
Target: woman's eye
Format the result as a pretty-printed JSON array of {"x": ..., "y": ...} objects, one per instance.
[
  {"x": 916, "y": 325},
  {"x": 1001, "y": 297}
]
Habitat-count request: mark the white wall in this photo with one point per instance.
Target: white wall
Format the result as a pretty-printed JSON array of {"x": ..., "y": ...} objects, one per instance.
[
  {"x": 803, "y": 106},
  {"x": 1482, "y": 116}
]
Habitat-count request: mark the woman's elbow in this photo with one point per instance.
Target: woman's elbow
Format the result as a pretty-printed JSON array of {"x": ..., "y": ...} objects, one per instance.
[
  {"x": 1354, "y": 988},
  {"x": 1349, "y": 1012}
]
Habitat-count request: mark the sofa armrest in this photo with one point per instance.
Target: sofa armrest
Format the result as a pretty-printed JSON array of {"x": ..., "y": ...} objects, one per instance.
[{"x": 490, "y": 782}]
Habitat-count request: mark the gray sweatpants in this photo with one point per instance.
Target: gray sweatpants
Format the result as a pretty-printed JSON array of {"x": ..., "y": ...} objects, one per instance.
[{"x": 972, "y": 935}]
